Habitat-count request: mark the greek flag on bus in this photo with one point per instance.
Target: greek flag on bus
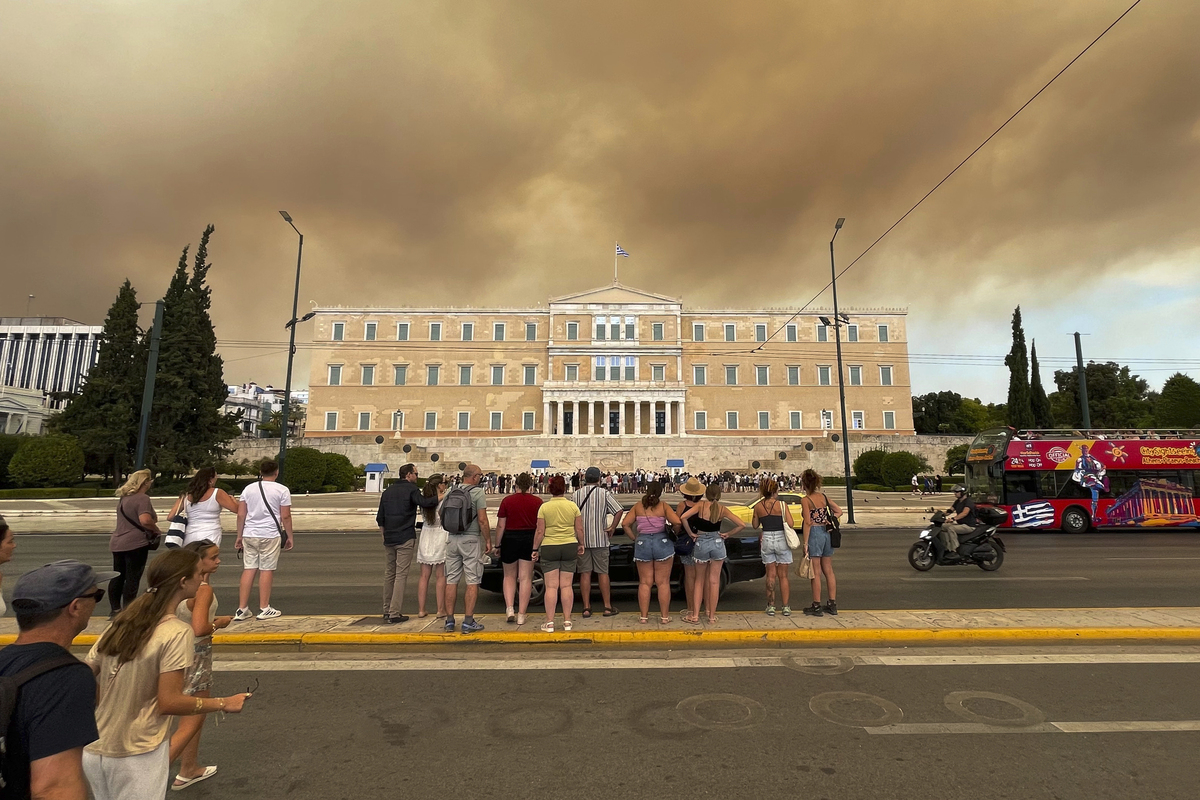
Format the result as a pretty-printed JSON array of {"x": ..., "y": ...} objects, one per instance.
[
  {"x": 621, "y": 251},
  {"x": 1032, "y": 515}
]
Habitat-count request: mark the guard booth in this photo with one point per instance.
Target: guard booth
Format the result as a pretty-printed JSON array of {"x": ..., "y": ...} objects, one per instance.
[
  {"x": 539, "y": 465},
  {"x": 375, "y": 474},
  {"x": 674, "y": 465}
]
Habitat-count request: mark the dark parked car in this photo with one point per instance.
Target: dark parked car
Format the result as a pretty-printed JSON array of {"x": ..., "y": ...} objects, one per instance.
[{"x": 743, "y": 564}]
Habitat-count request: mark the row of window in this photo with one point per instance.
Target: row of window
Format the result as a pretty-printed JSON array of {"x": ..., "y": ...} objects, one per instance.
[
  {"x": 606, "y": 329},
  {"x": 613, "y": 368},
  {"x": 858, "y": 420}
]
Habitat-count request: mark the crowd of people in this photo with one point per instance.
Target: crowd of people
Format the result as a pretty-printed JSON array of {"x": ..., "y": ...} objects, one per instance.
[
  {"x": 103, "y": 725},
  {"x": 636, "y": 481}
]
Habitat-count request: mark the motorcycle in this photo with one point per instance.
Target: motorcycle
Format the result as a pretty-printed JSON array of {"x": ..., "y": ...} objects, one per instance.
[{"x": 981, "y": 547}]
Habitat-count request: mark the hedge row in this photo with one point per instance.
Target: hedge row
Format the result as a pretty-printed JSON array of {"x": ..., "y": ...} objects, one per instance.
[{"x": 52, "y": 493}]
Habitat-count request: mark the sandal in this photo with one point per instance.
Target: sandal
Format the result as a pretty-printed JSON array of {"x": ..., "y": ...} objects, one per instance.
[
  {"x": 587, "y": 613},
  {"x": 690, "y": 620},
  {"x": 181, "y": 782},
  {"x": 546, "y": 627},
  {"x": 712, "y": 620},
  {"x": 664, "y": 620},
  {"x": 643, "y": 620},
  {"x": 610, "y": 612},
  {"x": 567, "y": 625}
]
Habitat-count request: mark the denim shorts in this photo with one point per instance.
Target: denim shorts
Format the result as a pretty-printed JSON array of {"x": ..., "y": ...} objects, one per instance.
[
  {"x": 653, "y": 547},
  {"x": 709, "y": 548},
  {"x": 774, "y": 548},
  {"x": 688, "y": 561},
  {"x": 819, "y": 545}
]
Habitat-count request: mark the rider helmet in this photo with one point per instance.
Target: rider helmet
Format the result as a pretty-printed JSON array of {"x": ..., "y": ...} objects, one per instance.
[{"x": 960, "y": 489}]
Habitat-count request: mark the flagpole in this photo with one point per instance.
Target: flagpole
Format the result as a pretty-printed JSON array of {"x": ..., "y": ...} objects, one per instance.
[{"x": 615, "y": 244}]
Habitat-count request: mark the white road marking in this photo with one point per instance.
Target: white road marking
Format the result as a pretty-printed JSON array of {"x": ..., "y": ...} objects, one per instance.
[
  {"x": 1021, "y": 659},
  {"x": 1146, "y": 726},
  {"x": 1151, "y": 558},
  {"x": 989, "y": 579}
]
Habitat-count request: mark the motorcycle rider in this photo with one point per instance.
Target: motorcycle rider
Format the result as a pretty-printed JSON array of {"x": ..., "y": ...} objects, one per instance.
[{"x": 960, "y": 519}]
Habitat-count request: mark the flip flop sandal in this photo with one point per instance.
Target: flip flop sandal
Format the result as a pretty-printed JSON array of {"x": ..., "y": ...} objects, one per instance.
[
  {"x": 587, "y": 613},
  {"x": 691, "y": 621},
  {"x": 643, "y": 620},
  {"x": 567, "y": 625},
  {"x": 610, "y": 612},
  {"x": 664, "y": 620},
  {"x": 176, "y": 786}
]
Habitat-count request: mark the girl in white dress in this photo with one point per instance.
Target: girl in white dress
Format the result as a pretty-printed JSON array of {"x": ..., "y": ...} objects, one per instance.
[{"x": 431, "y": 548}]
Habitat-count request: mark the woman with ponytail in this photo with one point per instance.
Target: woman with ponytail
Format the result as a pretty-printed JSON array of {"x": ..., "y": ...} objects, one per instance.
[
  {"x": 653, "y": 551},
  {"x": 703, "y": 523},
  {"x": 139, "y": 662}
]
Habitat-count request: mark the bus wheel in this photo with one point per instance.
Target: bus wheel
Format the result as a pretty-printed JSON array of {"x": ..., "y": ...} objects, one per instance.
[{"x": 1075, "y": 520}]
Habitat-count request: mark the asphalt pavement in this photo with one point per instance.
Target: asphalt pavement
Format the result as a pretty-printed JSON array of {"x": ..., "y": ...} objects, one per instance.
[
  {"x": 820, "y": 724},
  {"x": 330, "y": 573}
]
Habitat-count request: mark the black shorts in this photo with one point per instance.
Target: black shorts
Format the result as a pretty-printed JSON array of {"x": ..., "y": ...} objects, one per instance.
[{"x": 516, "y": 546}]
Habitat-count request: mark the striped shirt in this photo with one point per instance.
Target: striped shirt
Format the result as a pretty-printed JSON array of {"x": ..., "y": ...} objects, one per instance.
[{"x": 595, "y": 511}]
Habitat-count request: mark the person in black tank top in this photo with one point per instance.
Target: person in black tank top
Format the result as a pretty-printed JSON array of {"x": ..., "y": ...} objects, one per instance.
[
  {"x": 769, "y": 514},
  {"x": 709, "y": 552}
]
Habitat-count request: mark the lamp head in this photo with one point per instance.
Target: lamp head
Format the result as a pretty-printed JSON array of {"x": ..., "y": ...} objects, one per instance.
[
  {"x": 288, "y": 217},
  {"x": 825, "y": 321},
  {"x": 837, "y": 226},
  {"x": 308, "y": 316}
]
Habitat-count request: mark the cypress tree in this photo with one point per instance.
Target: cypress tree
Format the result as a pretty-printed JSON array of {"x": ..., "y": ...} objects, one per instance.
[
  {"x": 1019, "y": 411},
  {"x": 1039, "y": 403},
  {"x": 104, "y": 415}
]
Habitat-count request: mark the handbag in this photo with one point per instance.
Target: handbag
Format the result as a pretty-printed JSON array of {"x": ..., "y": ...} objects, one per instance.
[
  {"x": 283, "y": 537},
  {"x": 789, "y": 533},
  {"x": 804, "y": 568},
  {"x": 153, "y": 540},
  {"x": 177, "y": 530},
  {"x": 835, "y": 529}
]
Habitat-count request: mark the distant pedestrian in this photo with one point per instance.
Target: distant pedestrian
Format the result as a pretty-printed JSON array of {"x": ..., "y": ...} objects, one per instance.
[
  {"x": 202, "y": 504},
  {"x": 770, "y": 514},
  {"x": 817, "y": 510},
  {"x": 939, "y": 484},
  {"x": 397, "y": 520},
  {"x": 54, "y": 715},
  {"x": 557, "y": 545},
  {"x": 915, "y": 488},
  {"x": 703, "y": 523},
  {"x": 653, "y": 551},
  {"x": 431, "y": 549},
  {"x": 136, "y": 534},
  {"x": 140, "y": 662},
  {"x": 8, "y": 544},
  {"x": 596, "y": 504},
  {"x": 693, "y": 493},
  {"x": 515, "y": 528},
  {"x": 201, "y": 613},
  {"x": 264, "y": 527},
  {"x": 468, "y": 540}
]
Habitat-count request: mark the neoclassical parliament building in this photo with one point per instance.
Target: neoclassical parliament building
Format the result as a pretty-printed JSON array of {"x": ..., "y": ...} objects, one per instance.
[{"x": 610, "y": 362}]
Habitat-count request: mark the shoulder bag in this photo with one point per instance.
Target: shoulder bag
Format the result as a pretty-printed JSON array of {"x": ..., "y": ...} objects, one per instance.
[
  {"x": 177, "y": 530},
  {"x": 833, "y": 525},
  {"x": 789, "y": 533},
  {"x": 152, "y": 539},
  {"x": 283, "y": 537}
]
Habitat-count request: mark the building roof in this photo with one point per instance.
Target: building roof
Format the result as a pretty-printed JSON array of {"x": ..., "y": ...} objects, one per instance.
[
  {"x": 42, "y": 322},
  {"x": 618, "y": 294}
]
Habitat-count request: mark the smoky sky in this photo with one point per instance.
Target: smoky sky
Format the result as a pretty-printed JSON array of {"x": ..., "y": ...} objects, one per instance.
[{"x": 440, "y": 152}]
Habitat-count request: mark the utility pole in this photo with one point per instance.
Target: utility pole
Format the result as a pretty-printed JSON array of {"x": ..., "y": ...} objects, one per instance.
[
  {"x": 148, "y": 391},
  {"x": 837, "y": 328},
  {"x": 1085, "y": 411},
  {"x": 287, "y": 388}
]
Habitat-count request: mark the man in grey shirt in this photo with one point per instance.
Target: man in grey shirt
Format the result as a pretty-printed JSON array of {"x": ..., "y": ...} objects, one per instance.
[
  {"x": 464, "y": 554},
  {"x": 595, "y": 504}
]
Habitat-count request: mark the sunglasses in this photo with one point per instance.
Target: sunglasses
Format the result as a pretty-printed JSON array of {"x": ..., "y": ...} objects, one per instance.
[{"x": 97, "y": 595}]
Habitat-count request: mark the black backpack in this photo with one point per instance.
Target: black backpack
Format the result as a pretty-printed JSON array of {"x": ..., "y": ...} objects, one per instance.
[
  {"x": 458, "y": 510},
  {"x": 10, "y": 689}
]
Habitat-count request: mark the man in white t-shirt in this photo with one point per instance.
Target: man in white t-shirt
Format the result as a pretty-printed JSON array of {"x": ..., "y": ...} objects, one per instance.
[{"x": 264, "y": 510}]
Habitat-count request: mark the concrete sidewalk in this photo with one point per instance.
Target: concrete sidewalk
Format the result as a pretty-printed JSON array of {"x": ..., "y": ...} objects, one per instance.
[{"x": 857, "y": 627}]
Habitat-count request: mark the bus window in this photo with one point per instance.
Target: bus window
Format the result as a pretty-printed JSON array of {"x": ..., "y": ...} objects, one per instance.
[
  {"x": 1020, "y": 487},
  {"x": 1048, "y": 484},
  {"x": 1120, "y": 482}
]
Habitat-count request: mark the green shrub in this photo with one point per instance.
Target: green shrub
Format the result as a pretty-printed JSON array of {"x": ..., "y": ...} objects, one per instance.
[
  {"x": 329, "y": 488},
  {"x": 339, "y": 472},
  {"x": 900, "y": 466},
  {"x": 873, "y": 487},
  {"x": 907, "y": 487},
  {"x": 956, "y": 458},
  {"x": 868, "y": 467},
  {"x": 304, "y": 470},
  {"x": 52, "y": 493},
  {"x": 52, "y": 460}
]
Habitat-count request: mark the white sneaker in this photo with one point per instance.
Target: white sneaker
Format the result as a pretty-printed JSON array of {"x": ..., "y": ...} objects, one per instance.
[
  {"x": 270, "y": 613},
  {"x": 243, "y": 614}
]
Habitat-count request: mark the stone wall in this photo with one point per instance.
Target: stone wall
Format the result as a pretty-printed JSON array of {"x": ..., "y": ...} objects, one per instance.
[{"x": 566, "y": 454}]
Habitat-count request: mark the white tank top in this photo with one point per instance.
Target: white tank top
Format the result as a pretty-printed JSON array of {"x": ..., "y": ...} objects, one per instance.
[{"x": 204, "y": 520}]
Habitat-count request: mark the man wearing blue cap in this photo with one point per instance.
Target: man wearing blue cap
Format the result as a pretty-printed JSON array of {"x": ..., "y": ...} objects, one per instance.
[{"x": 55, "y": 712}]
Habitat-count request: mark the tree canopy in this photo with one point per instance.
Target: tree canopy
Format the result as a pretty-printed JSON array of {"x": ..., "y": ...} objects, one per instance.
[
  {"x": 1019, "y": 411},
  {"x": 1116, "y": 397},
  {"x": 1178, "y": 404}
]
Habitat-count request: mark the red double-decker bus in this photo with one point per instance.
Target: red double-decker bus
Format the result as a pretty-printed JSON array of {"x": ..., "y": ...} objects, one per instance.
[{"x": 1079, "y": 480}]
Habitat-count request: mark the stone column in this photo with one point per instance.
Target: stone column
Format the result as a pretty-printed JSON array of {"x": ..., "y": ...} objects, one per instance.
[
  {"x": 559, "y": 417},
  {"x": 683, "y": 417},
  {"x": 637, "y": 418},
  {"x": 621, "y": 416},
  {"x": 604, "y": 430},
  {"x": 545, "y": 418},
  {"x": 667, "y": 408}
]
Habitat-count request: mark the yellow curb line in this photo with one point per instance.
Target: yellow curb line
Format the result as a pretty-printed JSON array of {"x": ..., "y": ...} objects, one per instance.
[{"x": 688, "y": 637}]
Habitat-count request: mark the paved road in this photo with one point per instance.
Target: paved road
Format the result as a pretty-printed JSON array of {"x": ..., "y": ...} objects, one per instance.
[
  {"x": 341, "y": 574},
  {"x": 503, "y": 728}
]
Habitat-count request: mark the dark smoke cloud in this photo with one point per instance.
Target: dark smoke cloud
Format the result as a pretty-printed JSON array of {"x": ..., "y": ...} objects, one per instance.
[{"x": 510, "y": 143}]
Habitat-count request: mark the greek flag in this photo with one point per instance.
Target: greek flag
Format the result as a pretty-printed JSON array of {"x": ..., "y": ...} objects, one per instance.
[
  {"x": 621, "y": 251},
  {"x": 1032, "y": 515}
]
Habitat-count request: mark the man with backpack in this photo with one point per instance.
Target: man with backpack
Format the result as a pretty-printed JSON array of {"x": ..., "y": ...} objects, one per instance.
[
  {"x": 464, "y": 516},
  {"x": 47, "y": 696},
  {"x": 397, "y": 521}
]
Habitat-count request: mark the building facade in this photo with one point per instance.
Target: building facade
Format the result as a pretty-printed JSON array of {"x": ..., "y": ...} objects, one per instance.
[
  {"x": 50, "y": 354},
  {"x": 23, "y": 410},
  {"x": 613, "y": 361},
  {"x": 256, "y": 405}
]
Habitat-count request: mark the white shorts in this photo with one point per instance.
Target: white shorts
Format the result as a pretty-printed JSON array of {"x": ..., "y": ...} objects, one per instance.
[
  {"x": 261, "y": 553},
  {"x": 144, "y": 775}
]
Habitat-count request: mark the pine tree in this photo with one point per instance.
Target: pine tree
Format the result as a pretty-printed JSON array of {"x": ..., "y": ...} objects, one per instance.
[
  {"x": 104, "y": 415},
  {"x": 188, "y": 428},
  {"x": 1039, "y": 403},
  {"x": 1019, "y": 411},
  {"x": 1178, "y": 405}
]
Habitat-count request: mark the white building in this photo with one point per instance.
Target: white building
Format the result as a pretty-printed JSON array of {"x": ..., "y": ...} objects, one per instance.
[
  {"x": 257, "y": 403},
  {"x": 23, "y": 410},
  {"x": 50, "y": 354}
]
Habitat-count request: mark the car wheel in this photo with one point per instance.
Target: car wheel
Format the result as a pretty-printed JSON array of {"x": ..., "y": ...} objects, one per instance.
[{"x": 1075, "y": 520}]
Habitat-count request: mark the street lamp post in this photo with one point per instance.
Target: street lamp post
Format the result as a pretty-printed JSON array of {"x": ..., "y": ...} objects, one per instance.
[
  {"x": 837, "y": 328},
  {"x": 287, "y": 387}
]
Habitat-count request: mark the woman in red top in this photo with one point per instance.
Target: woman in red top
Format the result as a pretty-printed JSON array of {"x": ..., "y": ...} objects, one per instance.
[{"x": 514, "y": 545}]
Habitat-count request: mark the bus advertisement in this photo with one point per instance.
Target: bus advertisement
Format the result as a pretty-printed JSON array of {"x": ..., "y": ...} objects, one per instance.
[{"x": 1076, "y": 482}]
